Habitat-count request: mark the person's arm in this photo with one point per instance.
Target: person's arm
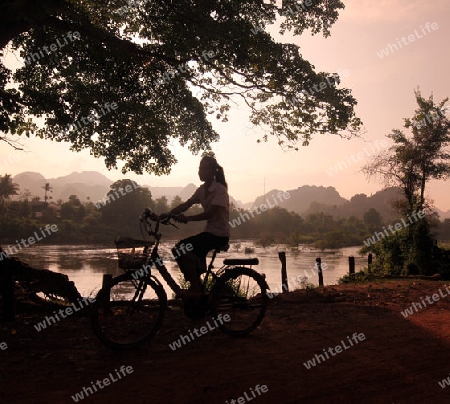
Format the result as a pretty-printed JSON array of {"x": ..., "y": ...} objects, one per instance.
[
  {"x": 213, "y": 211},
  {"x": 182, "y": 207},
  {"x": 220, "y": 201}
]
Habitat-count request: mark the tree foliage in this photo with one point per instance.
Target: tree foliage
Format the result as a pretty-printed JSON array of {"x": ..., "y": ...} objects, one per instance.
[
  {"x": 73, "y": 209},
  {"x": 416, "y": 159},
  {"x": 124, "y": 203},
  {"x": 372, "y": 218},
  {"x": 7, "y": 189},
  {"x": 209, "y": 54},
  {"x": 410, "y": 164},
  {"x": 47, "y": 188}
]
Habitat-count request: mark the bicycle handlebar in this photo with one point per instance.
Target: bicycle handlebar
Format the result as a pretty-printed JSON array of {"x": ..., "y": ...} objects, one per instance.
[{"x": 148, "y": 214}]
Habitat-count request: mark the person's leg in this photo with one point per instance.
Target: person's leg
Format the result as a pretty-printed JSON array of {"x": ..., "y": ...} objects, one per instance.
[
  {"x": 188, "y": 254},
  {"x": 188, "y": 264}
]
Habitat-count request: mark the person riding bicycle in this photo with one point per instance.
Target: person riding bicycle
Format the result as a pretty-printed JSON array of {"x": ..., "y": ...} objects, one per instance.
[{"x": 213, "y": 196}]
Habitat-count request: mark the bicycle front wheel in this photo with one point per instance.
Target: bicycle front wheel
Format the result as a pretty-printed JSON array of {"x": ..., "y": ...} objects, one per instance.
[
  {"x": 239, "y": 293},
  {"x": 129, "y": 312}
]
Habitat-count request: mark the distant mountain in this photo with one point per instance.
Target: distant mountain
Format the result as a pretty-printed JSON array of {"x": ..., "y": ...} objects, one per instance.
[
  {"x": 361, "y": 203},
  {"x": 30, "y": 180},
  {"x": 82, "y": 191},
  {"x": 310, "y": 199},
  {"x": 85, "y": 184},
  {"x": 90, "y": 184},
  {"x": 85, "y": 177},
  {"x": 170, "y": 192},
  {"x": 301, "y": 198},
  {"x": 443, "y": 215}
]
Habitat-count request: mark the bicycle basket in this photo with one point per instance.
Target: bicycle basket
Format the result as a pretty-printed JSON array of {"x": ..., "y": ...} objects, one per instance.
[{"x": 132, "y": 253}]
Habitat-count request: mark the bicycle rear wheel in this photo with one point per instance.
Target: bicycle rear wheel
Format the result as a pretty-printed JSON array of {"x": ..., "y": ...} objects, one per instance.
[
  {"x": 129, "y": 312},
  {"x": 241, "y": 293}
]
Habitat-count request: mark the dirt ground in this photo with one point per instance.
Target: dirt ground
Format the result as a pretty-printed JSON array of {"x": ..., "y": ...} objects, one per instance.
[{"x": 400, "y": 360}]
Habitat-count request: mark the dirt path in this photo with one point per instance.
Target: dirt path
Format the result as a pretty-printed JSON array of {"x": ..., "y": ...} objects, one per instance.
[{"x": 400, "y": 360}]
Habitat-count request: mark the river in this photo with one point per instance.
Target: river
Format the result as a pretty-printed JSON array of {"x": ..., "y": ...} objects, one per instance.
[{"x": 86, "y": 264}]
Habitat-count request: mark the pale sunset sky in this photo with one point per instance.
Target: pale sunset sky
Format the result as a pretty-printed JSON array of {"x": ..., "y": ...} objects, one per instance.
[{"x": 384, "y": 88}]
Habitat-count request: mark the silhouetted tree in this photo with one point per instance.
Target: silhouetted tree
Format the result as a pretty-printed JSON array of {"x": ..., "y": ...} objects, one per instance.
[
  {"x": 175, "y": 202},
  {"x": 7, "y": 189},
  {"x": 47, "y": 188},
  {"x": 410, "y": 163},
  {"x": 124, "y": 203},
  {"x": 372, "y": 219},
  {"x": 161, "y": 205},
  {"x": 151, "y": 58},
  {"x": 414, "y": 160}
]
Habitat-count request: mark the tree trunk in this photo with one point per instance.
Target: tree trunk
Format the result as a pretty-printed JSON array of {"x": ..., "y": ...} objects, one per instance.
[{"x": 43, "y": 281}]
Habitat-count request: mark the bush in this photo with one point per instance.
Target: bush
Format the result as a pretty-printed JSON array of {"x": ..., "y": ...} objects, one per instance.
[
  {"x": 363, "y": 276},
  {"x": 407, "y": 251}
]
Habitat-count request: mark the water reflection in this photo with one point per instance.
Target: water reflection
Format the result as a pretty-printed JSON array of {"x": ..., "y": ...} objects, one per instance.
[{"x": 86, "y": 264}]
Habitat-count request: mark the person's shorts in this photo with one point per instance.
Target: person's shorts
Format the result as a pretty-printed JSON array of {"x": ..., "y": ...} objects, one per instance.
[{"x": 201, "y": 244}]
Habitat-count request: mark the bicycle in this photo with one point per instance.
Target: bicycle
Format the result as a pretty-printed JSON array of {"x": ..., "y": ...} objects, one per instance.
[{"x": 130, "y": 309}]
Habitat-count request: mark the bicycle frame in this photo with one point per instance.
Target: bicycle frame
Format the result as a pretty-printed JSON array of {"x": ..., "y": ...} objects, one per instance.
[
  {"x": 161, "y": 268},
  {"x": 154, "y": 258}
]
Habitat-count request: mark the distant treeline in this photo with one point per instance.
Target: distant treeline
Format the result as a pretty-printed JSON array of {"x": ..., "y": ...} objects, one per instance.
[{"x": 89, "y": 223}]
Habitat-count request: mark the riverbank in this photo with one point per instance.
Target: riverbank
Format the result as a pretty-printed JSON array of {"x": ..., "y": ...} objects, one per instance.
[{"x": 401, "y": 359}]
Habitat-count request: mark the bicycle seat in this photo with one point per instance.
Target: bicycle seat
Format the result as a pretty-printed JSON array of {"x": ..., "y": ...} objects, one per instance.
[
  {"x": 223, "y": 248},
  {"x": 241, "y": 261}
]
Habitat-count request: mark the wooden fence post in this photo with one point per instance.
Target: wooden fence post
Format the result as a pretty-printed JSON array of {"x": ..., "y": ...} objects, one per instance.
[
  {"x": 106, "y": 284},
  {"x": 284, "y": 280},
  {"x": 351, "y": 265},
  {"x": 319, "y": 270},
  {"x": 7, "y": 290}
]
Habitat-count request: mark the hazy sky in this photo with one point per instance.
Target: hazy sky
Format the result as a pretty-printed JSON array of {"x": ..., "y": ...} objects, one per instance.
[{"x": 384, "y": 88}]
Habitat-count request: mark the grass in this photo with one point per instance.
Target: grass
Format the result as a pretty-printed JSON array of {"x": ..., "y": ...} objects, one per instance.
[{"x": 362, "y": 276}]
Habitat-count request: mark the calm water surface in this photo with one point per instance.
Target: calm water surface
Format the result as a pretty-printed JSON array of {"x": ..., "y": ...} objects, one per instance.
[{"x": 86, "y": 264}]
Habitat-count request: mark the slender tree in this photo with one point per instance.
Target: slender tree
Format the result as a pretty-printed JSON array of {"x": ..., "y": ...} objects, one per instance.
[
  {"x": 25, "y": 195},
  {"x": 415, "y": 159},
  {"x": 7, "y": 189},
  {"x": 410, "y": 163},
  {"x": 176, "y": 200},
  {"x": 47, "y": 188}
]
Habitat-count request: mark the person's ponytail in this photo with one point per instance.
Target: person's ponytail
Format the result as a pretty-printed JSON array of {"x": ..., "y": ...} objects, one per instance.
[
  {"x": 218, "y": 170},
  {"x": 220, "y": 176}
]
